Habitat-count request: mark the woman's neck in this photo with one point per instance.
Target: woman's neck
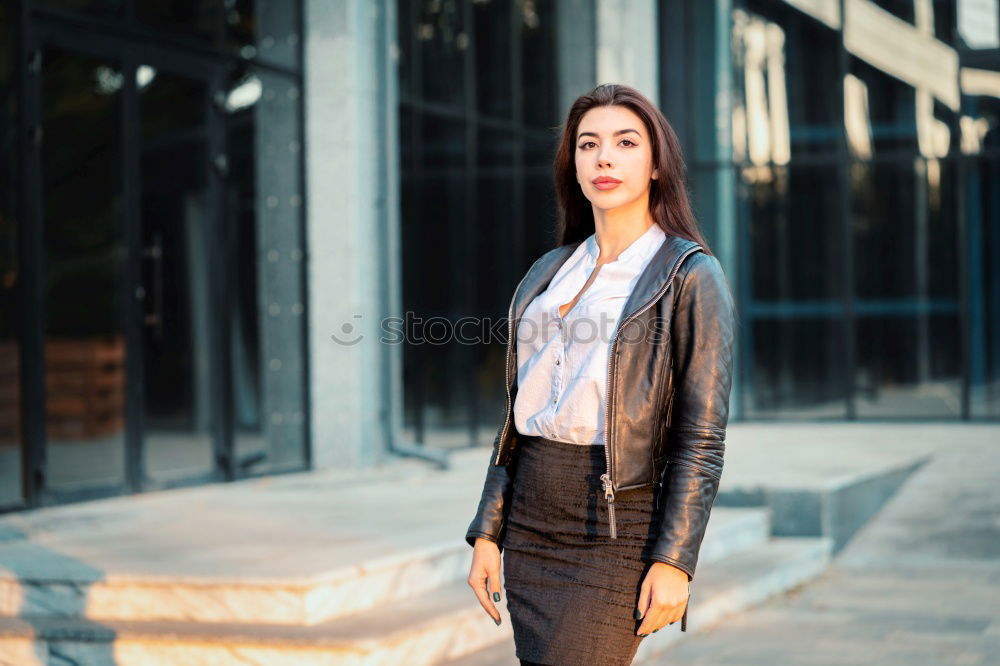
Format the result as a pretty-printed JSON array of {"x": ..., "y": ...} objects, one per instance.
[{"x": 614, "y": 234}]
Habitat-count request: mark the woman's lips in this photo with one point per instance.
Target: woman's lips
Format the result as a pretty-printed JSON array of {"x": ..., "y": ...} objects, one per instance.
[{"x": 607, "y": 184}]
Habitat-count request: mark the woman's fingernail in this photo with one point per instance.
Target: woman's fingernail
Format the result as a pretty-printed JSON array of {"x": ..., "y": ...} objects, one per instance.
[
  {"x": 496, "y": 596},
  {"x": 498, "y": 622},
  {"x": 636, "y": 614},
  {"x": 655, "y": 630}
]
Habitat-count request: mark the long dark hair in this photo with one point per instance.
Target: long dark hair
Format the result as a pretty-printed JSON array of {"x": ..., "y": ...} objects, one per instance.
[{"x": 668, "y": 196}]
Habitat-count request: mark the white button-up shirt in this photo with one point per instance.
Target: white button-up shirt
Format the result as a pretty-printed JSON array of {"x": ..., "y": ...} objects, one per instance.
[{"x": 562, "y": 362}]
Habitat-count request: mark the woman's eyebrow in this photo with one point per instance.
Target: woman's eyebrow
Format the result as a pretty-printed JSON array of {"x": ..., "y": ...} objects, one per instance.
[{"x": 622, "y": 131}]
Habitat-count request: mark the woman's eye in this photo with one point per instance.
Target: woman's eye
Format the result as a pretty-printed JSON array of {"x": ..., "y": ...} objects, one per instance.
[{"x": 584, "y": 145}]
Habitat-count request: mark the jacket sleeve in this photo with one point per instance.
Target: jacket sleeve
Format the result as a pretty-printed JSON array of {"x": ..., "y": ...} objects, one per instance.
[
  {"x": 702, "y": 339},
  {"x": 494, "y": 504}
]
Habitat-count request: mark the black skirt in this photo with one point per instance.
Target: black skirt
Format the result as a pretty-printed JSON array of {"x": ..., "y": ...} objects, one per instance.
[{"x": 572, "y": 589}]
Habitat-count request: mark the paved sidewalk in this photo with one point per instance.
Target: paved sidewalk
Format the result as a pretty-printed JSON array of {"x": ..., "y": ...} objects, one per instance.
[{"x": 918, "y": 585}]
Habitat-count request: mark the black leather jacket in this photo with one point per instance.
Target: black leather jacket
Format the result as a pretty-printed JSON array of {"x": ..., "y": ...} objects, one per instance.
[{"x": 669, "y": 377}]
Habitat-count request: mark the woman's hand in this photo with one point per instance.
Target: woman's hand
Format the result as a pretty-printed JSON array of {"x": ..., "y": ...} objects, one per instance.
[
  {"x": 664, "y": 594},
  {"x": 484, "y": 575}
]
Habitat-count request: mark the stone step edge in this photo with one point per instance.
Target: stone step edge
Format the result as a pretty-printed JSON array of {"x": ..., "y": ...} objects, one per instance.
[
  {"x": 441, "y": 626},
  {"x": 388, "y": 580}
]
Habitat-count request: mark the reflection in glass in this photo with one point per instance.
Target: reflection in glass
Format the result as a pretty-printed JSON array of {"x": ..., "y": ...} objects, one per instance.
[
  {"x": 493, "y": 66},
  {"x": 177, "y": 224},
  {"x": 430, "y": 290},
  {"x": 84, "y": 254},
  {"x": 793, "y": 220},
  {"x": 979, "y": 23},
  {"x": 785, "y": 106},
  {"x": 905, "y": 232},
  {"x": 266, "y": 318},
  {"x": 983, "y": 233},
  {"x": 443, "y": 44},
  {"x": 267, "y": 30},
  {"x": 896, "y": 203},
  {"x": 797, "y": 368},
  {"x": 186, "y": 18},
  {"x": 911, "y": 73},
  {"x": 476, "y": 195},
  {"x": 908, "y": 367},
  {"x": 538, "y": 63},
  {"x": 92, "y": 7}
]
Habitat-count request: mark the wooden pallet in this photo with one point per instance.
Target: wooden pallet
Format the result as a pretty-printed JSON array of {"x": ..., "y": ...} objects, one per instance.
[{"x": 85, "y": 387}]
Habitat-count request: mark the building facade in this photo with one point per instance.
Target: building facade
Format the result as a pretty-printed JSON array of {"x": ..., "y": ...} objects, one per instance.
[{"x": 241, "y": 237}]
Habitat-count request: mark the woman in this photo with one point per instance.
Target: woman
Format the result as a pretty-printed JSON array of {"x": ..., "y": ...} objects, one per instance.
[{"x": 607, "y": 464}]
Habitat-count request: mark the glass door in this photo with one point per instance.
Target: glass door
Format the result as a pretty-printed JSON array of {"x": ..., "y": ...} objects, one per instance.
[
  {"x": 181, "y": 253},
  {"x": 129, "y": 177},
  {"x": 84, "y": 258}
]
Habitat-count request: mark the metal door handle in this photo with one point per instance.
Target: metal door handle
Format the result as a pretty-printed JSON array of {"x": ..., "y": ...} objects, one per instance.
[{"x": 154, "y": 319}]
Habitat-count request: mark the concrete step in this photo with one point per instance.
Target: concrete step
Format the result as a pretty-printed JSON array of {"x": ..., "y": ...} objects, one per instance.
[
  {"x": 836, "y": 504},
  {"x": 71, "y": 591},
  {"x": 421, "y": 631},
  {"x": 731, "y": 530},
  {"x": 721, "y": 589},
  {"x": 38, "y": 582}
]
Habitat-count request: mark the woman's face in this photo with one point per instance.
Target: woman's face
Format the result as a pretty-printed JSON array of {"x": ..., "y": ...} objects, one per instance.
[{"x": 612, "y": 142}]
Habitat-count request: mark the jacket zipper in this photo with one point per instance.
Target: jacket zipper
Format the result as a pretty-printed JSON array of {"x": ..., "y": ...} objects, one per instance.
[
  {"x": 506, "y": 367},
  {"x": 606, "y": 478}
]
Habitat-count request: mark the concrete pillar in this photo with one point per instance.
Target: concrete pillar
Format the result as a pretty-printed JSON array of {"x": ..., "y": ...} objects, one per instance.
[
  {"x": 352, "y": 227},
  {"x": 627, "y": 44}
]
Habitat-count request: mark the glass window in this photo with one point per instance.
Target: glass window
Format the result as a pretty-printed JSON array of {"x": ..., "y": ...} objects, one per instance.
[
  {"x": 901, "y": 9},
  {"x": 442, "y": 46},
  {"x": 10, "y": 281},
  {"x": 189, "y": 19},
  {"x": 786, "y": 107},
  {"x": 890, "y": 124},
  {"x": 84, "y": 270},
  {"x": 477, "y": 197},
  {"x": 796, "y": 367},
  {"x": 538, "y": 63},
  {"x": 796, "y": 341},
  {"x": 983, "y": 283},
  {"x": 494, "y": 94},
  {"x": 905, "y": 231},
  {"x": 793, "y": 224},
  {"x": 908, "y": 366},
  {"x": 100, "y": 8},
  {"x": 890, "y": 185},
  {"x": 265, "y": 30}
]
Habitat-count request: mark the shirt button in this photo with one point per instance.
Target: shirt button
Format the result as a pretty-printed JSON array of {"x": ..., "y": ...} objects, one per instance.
[
  {"x": 553, "y": 401},
  {"x": 557, "y": 361}
]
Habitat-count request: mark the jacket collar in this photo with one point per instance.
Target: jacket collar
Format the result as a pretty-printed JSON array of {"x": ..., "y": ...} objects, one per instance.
[{"x": 650, "y": 282}]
